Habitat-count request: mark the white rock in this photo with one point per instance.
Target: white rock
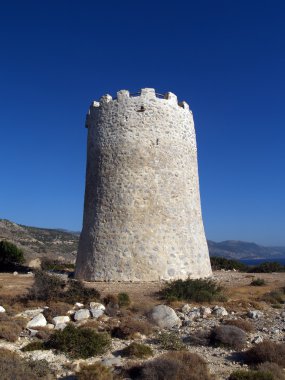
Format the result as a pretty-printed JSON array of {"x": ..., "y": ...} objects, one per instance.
[
  {"x": 81, "y": 314},
  {"x": 186, "y": 308},
  {"x": 164, "y": 317},
  {"x": 60, "y": 326},
  {"x": 112, "y": 361},
  {"x": 219, "y": 311},
  {"x": 15, "y": 273},
  {"x": 205, "y": 311},
  {"x": 30, "y": 313},
  {"x": 257, "y": 339},
  {"x": 255, "y": 314},
  {"x": 194, "y": 314},
  {"x": 97, "y": 305},
  {"x": 2, "y": 310},
  {"x": 38, "y": 321},
  {"x": 60, "y": 319},
  {"x": 96, "y": 313},
  {"x": 79, "y": 304},
  {"x": 50, "y": 326}
]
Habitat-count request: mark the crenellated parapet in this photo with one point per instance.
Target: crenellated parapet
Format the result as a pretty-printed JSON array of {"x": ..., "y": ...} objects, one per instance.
[{"x": 145, "y": 94}]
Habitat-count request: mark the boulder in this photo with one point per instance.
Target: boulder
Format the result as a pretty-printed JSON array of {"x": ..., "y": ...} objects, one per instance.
[
  {"x": 2, "y": 310},
  {"x": 97, "y": 305},
  {"x": 164, "y": 317},
  {"x": 186, "y": 308},
  {"x": 38, "y": 321},
  {"x": 96, "y": 313},
  {"x": 60, "y": 326},
  {"x": 81, "y": 314},
  {"x": 205, "y": 311},
  {"x": 30, "y": 313},
  {"x": 60, "y": 320}
]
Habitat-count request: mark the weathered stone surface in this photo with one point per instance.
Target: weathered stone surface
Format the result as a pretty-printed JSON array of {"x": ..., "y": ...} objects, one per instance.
[
  {"x": 257, "y": 339},
  {"x": 96, "y": 313},
  {"x": 38, "y": 321},
  {"x": 81, "y": 314},
  {"x": 60, "y": 326},
  {"x": 219, "y": 311},
  {"x": 30, "y": 313},
  {"x": 97, "y": 305},
  {"x": 255, "y": 314},
  {"x": 60, "y": 319},
  {"x": 78, "y": 304},
  {"x": 164, "y": 317},
  {"x": 2, "y": 309},
  {"x": 112, "y": 361},
  {"x": 142, "y": 213}
]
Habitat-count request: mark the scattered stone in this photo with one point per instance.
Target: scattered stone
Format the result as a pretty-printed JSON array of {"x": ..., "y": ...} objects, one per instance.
[
  {"x": 60, "y": 320},
  {"x": 32, "y": 332},
  {"x": 30, "y": 313},
  {"x": 112, "y": 361},
  {"x": 194, "y": 314},
  {"x": 257, "y": 339},
  {"x": 60, "y": 326},
  {"x": 38, "y": 321},
  {"x": 165, "y": 317},
  {"x": 97, "y": 305},
  {"x": 81, "y": 314},
  {"x": 205, "y": 311},
  {"x": 255, "y": 314},
  {"x": 186, "y": 308},
  {"x": 50, "y": 326},
  {"x": 15, "y": 273},
  {"x": 79, "y": 305},
  {"x": 219, "y": 311},
  {"x": 2, "y": 310},
  {"x": 96, "y": 313}
]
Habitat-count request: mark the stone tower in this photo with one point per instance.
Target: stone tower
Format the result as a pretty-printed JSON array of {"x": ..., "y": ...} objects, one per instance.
[{"x": 142, "y": 214}]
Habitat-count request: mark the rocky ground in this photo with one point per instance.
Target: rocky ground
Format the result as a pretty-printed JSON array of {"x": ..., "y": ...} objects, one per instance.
[{"x": 184, "y": 320}]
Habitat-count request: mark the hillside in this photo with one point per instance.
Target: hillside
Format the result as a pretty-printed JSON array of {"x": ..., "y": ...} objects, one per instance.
[{"x": 40, "y": 242}]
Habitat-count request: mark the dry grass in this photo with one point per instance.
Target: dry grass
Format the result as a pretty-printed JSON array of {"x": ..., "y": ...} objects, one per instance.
[
  {"x": 241, "y": 323},
  {"x": 266, "y": 351},
  {"x": 95, "y": 371},
  {"x": 227, "y": 335},
  {"x": 130, "y": 326},
  {"x": 10, "y": 328}
]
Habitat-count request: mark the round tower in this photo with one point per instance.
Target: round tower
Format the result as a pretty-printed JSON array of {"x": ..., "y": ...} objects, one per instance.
[{"x": 142, "y": 213}]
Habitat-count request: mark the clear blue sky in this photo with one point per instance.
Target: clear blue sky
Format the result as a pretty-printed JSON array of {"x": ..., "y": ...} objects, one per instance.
[{"x": 226, "y": 58}]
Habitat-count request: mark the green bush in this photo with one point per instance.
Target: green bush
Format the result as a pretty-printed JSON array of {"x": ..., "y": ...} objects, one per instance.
[
  {"x": 267, "y": 267},
  {"x": 77, "y": 292},
  {"x": 79, "y": 343},
  {"x": 192, "y": 290},
  {"x": 258, "y": 282},
  {"x": 170, "y": 341},
  {"x": 137, "y": 350},
  {"x": 33, "y": 346},
  {"x": 46, "y": 287},
  {"x": 219, "y": 263},
  {"x": 123, "y": 299},
  {"x": 10, "y": 254},
  {"x": 251, "y": 375}
]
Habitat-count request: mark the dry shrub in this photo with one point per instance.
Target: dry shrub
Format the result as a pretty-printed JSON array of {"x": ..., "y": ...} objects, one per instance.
[
  {"x": 12, "y": 366},
  {"x": 251, "y": 375},
  {"x": 272, "y": 368},
  {"x": 200, "y": 338},
  {"x": 229, "y": 336},
  {"x": 240, "y": 323},
  {"x": 33, "y": 346},
  {"x": 55, "y": 309},
  {"x": 90, "y": 324},
  {"x": 170, "y": 341},
  {"x": 137, "y": 350},
  {"x": 182, "y": 365},
  {"x": 266, "y": 351},
  {"x": 95, "y": 371},
  {"x": 130, "y": 326},
  {"x": 10, "y": 328}
]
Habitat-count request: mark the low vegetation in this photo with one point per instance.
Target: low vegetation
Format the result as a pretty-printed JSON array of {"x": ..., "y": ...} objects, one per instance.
[
  {"x": 266, "y": 351},
  {"x": 10, "y": 256},
  {"x": 124, "y": 300},
  {"x": 182, "y": 365},
  {"x": 219, "y": 263},
  {"x": 94, "y": 371},
  {"x": 10, "y": 328},
  {"x": 79, "y": 343},
  {"x": 137, "y": 350},
  {"x": 170, "y": 341},
  {"x": 240, "y": 323},
  {"x": 55, "y": 265},
  {"x": 265, "y": 371},
  {"x": 230, "y": 336},
  {"x": 33, "y": 346},
  {"x": 12, "y": 366},
  {"x": 258, "y": 282},
  {"x": 131, "y": 326},
  {"x": 199, "y": 290},
  {"x": 275, "y": 297}
]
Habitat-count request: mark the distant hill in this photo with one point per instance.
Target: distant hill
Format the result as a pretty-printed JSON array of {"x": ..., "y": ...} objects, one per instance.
[{"x": 59, "y": 243}]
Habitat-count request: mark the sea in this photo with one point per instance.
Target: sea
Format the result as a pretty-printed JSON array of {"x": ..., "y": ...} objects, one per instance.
[{"x": 280, "y": 260}]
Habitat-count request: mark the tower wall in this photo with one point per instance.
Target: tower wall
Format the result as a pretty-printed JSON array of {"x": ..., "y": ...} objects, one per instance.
[{"x": 142, "y": 214}]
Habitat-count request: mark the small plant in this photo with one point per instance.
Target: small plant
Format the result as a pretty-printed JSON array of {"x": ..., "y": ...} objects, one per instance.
[
  {"x": 266, "y": 351},
  {"x": 274, "y": 369},
  {"x": 56, "y": 308},
  {"x": 94, "y": 371},
  {"x": 199, "y": 290},
  {"x": 170, "y": 341},
  {"x": 275, "y": 296},
  {"x": 219, "y": 263},
  {"x": 76, "y": 291},
  {"x": 33, "y": 346},
  {"x": 130, "y": 326},
  {"x": 137, "y": 350},
  {"x": 79, "y": 343},
  {"x": 10, "y": 328},
  {"x": 251, "y": 375},
  {"x": 258, "y": 282},
  {"x": 46, "y": 287},
  {"x": 123, "y": 299},
  {"x": 182, "y": 365},
  {"x": 227, "y": 335},
  {"x": 240, "y": 323}
]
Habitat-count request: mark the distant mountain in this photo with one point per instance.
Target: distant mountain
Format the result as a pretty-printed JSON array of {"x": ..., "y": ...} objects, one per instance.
[{"x": 60, "y": 243}]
